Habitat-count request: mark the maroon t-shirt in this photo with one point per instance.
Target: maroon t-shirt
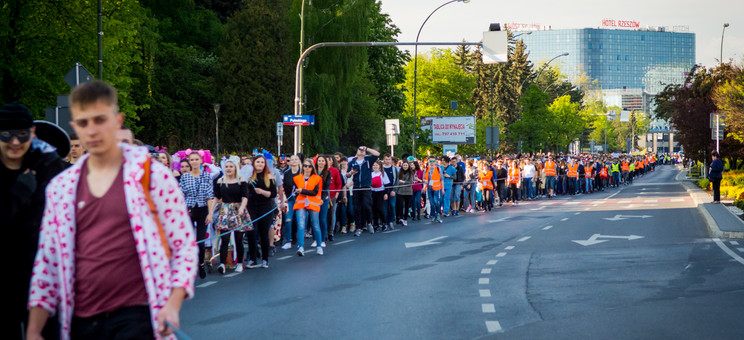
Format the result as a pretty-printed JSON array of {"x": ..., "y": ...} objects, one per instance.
[{"x": 108, "y": 275}]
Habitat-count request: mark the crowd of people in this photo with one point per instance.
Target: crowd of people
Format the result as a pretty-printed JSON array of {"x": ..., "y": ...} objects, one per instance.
[{"x": 111, "y": 232}]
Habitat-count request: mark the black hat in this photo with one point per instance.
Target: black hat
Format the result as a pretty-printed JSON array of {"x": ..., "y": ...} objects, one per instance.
[
  {"x": 54, "y": 135},
  {"x": 15, "y": 116}
]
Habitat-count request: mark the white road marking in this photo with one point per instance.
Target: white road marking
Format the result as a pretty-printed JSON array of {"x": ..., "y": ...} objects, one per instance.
[
  {"x": 488, "y": 308},
  {"x": 492, "y": 262},
  {"x": 613, "y": 195},
  {"x": 391, "y": 231},
  {"x": 623, "y": 202},
  {"x": 485, "y": 292},
  {"x": 547, "y": 203},
  {"x": 564, "y": 219},
  {"x": 539, "y": 208},
  {"x": 232, "y": 275},
  {"x": 734, "y": 243},
  {"x": 206, "y": 284},
  {"x": 587, "y": 209},
  {"x": 599, "y": 202},
  {"x": 310, "y": 251},
  {"x": 524, "y": 238},
  {"x": 578, "y": 213},
  {"x": 572, "y": 203},
  {"x": 284, "y": 258},
  {"x": 728, "y": 251},
  {"x": 493, "y": 327},
  {"x": 548, "y": 227},
  {"x": 486, "y": 271},
  {"x": 484, "y": 281},
  {"x": 342, "y": 242},
  {"x": 509, "y": 248},
  {"x": 501, "y": 254},
  {"x": 650, "y": 201},
  {"x": 740, "y": 249},
  {"x": 677, "y": 200}
]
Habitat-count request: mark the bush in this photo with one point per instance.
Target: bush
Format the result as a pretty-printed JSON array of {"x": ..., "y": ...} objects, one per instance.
[
  {"x": 739, "y": 204},
  {"x": 704, "y": 183}
]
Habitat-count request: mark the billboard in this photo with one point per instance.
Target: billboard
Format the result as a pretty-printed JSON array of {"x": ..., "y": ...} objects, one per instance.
[{"x": 450, "y": 130}]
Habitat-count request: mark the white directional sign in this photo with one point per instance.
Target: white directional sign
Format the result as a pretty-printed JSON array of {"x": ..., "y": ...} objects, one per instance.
[
  {"x": 425, "y": 243},
  {"x": 625, "y": 217},
  {"x": 595, "y": 239}
]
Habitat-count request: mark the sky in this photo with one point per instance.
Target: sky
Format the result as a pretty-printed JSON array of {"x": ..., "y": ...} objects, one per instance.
[{"x": 458, "y": 21}]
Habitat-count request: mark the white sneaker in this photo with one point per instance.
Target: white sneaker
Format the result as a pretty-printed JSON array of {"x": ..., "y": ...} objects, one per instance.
[
  {"x": 239, "y": 268},
  {"x": 287, "y": 245},
  {"x": 221, "y": 269},
  {"x": 319, "y": 250},
  {"x": 301, "y": 251},
  {"x": 251, "y": 264},
  {"x": 264, "y": 264},
  {"x": 323, "y": 244},
  {"x": 315, "y": 244},
  {"x": 405, "y": 223}
]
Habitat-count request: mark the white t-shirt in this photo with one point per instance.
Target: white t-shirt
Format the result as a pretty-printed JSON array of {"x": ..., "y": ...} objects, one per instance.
[{"x": 528, "y": 171}]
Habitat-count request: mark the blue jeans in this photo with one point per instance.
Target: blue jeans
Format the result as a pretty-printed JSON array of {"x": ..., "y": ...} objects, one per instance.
[
  {"x": 434, "y": 196},
  {"x": 616, "y": 178},
  {"x": 390, "y": 209},
  {"x": 589, "y": 181},
  {"x": 287, "y": 228},
  {"x": 332, "y": 213},
  {"x": 302, "y": 215},
  {"x": 446, "y": 199},
  {"x": 572, "y": 181},
  {"x": 456, "y": 190},
  {"x": 528, "y": 189},
  {"x": 323, "y": 219},
  {"x": 417, "y": 204},
  {"x": 349, "y": 210}
]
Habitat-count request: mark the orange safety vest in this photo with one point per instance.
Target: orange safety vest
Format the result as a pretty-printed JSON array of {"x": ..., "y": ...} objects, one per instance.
[
  {"x": 549, "y": 168},
  {"x": 603, "y": 172},
  {"x": 308, "y": 202},
  {"x": 514, "y": 175},
  {"x": 485, "y": 179},
  {"x": 436, "y": 178},
  {"x": 626, "y": 166},
  {"x": 573, "y": 170},
  {"x": 588, "y": 171},
  {"x": 640, "y": 165}
]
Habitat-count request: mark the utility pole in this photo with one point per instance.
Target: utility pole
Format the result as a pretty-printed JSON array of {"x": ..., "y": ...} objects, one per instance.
[{"x": 100, "y": 39}]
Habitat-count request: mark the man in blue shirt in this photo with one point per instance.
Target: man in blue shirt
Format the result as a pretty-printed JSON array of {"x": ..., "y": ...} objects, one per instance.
[
  {"x": 449, "y": 172},
  {"x": 361, "y": 172}
]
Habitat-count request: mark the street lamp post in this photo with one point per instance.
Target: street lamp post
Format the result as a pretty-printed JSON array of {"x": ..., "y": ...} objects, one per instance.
[
  {"x": 548, "y": 63},
  {"x": 415, "y": 71},
  {"x": 725, "y": 24},
  {"x": 217, "y": 128}
]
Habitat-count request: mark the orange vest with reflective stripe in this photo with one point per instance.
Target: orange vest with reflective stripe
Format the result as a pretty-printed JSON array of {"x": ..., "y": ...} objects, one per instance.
[
  {"x": 640, "y": 165},
  {"x": 603, "y": 172},
  {"x": 573, "y": 170},
  {"x": 514, "y": 175},
  {"x": 549, "y": 168},
  {"x": 588, "y": 171},
  {"x": 308, "y": 202},
  {"x": 626, "y": 166},
  {"x": 485, "y": 179},
  {"x": 436, "y": 178}
]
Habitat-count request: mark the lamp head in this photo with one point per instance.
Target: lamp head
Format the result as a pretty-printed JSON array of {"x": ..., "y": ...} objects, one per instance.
[
  {"x": 494, "y": 27},
  {"x": 725, "y": 24}
]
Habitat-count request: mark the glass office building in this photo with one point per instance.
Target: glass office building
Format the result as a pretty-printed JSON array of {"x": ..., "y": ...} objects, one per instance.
[{"x": 645, "y": 59}]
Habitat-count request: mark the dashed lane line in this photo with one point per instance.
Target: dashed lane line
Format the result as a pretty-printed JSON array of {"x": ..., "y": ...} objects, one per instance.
[
  {"x": 484, "y": 281},
  {"x": 284, "y": 258},
  {"x": 502, "y": 254},
  {"x": 509, "y": 248},
  {"x": 524, "y": 238},
  {"x": 548, "y": 227},
  {"x": 493, "y": 326},
  {"x": 484, "y": 292},
  {"x": 740, "y": 249},
  {"x": 492, "y": 262},
  {"x": 232, "y": 275},
  {"x": 206, "y": 284},
  {"x": 734, "y": 243},
  {"x": 486, "y": 271},
  {"x": 488, "y": 308},
  {"x": 578, "y": 213},
  {"x": 342, "y": 242},
  {"x": 564, "y": 219}
]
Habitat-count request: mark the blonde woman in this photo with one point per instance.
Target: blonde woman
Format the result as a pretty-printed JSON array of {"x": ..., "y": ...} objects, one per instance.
[{"x": 232, "y": 191}]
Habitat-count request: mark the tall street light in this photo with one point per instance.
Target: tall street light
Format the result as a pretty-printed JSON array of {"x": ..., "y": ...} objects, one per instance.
[
  {"x": 415, "y": 70},
  {"x": 724, "y": 31},
  {"x": 548, "y": 63}
]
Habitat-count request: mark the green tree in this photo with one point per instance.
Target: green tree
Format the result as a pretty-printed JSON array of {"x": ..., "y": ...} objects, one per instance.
[{"x": 566, "y": 123}]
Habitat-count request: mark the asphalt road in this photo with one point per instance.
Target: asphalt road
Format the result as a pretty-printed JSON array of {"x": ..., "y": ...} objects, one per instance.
[{"x": 643, "y": 268}]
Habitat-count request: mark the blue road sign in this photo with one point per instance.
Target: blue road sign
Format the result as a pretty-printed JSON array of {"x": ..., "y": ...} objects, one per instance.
[{"x": 298, "y": 120}]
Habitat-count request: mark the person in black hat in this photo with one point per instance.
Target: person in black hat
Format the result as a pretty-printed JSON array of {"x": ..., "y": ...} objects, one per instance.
[{"x": 27, "y": 164}]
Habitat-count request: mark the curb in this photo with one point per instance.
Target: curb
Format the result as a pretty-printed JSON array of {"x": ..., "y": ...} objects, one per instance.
[{"x": 713, "y": 229}]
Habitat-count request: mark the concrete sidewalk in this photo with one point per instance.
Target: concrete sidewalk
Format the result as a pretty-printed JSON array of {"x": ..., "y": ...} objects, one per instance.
[{"x": 722, "y": 223}]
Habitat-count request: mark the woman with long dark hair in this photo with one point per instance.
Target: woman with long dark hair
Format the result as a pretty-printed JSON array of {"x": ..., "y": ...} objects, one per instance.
[
  {"x": 261, "y": 194},
  {"x": 405, "y": 192},
  {"x": 417, "y": 188},
  {"x": 232, "y": 192},
  {"x": 322, "y": 165}
]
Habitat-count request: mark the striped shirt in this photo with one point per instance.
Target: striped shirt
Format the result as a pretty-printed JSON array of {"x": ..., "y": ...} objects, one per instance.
[{"x": 197, "y": 190}]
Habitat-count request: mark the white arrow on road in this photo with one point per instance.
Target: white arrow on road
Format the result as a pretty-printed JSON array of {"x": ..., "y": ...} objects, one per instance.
[
  {"x": 594, "y": 239},
  {"x": 499, "y": 220},
  {"x": 425, "y": 243},
  {"x": 624, "y": 217}
]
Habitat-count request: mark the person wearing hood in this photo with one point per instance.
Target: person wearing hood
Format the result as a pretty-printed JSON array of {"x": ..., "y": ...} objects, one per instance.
[{"x": 27, "y": 164}]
